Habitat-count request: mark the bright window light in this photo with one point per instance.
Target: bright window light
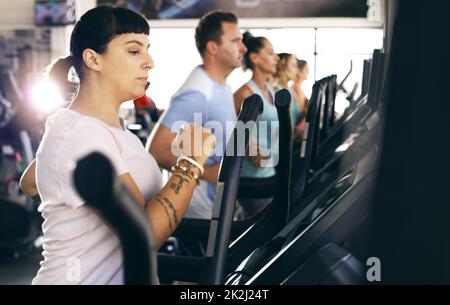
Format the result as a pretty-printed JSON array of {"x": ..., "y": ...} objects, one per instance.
[
  {"x": 45, "y": 96},
  {"x": 175, "y": 55}
]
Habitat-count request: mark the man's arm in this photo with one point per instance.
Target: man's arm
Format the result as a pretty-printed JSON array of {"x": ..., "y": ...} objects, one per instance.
[
  {"x": 211, "y": 173},
  {"x": 159, "y": 146}
]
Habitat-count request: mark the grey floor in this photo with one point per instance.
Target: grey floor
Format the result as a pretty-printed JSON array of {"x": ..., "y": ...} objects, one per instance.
[{"x": 19, "y": 271}]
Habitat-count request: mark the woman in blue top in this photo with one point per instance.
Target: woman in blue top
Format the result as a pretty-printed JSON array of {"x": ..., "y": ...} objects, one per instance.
[{"x": 263, "y": 151}]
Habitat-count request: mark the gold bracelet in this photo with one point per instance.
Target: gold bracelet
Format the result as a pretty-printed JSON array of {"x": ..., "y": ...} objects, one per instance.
[
  {"x": 186, "y": 168},
  {"x": 193, "y": 162},
  {"x": 185, "y": 173},
  {"x": 195, "y": 171}
]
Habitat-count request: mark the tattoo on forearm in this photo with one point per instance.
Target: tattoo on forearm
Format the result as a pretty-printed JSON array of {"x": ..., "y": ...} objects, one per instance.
[
  {"x": 167, "y": 212},
  {"x": 177, "y": 186},
  {"x": 168, "y": 207},
  {"x": 174, "y": 211}
]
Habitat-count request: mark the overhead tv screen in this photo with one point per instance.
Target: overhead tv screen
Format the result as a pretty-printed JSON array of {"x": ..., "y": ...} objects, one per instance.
[
  {"x": 54, "y": 12},
  {"x": 181, "y": 9}
]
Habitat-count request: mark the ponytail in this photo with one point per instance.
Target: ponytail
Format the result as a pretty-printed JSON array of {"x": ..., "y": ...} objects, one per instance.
[
  {"x": 59, "y": 73},
  {"x": 253, "y": 45}
]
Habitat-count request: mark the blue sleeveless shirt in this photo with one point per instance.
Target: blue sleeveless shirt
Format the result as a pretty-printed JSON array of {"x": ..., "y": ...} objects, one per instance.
[{"x": 267, "y": 135}]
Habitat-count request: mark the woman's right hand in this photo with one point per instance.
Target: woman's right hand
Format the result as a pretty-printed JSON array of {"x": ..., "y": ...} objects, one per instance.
[{"x": 194, "y": 141}]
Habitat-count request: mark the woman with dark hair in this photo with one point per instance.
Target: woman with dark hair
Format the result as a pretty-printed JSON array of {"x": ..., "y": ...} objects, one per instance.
[
  {"x": 262, "y": 61},
  {"x": 109, "y": 53}
]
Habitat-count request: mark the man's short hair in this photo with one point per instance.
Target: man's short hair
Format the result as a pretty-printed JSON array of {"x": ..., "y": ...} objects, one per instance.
[{"x": 210, "y": 28}]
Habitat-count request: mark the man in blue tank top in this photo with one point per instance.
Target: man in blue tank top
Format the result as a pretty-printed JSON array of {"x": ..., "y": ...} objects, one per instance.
[{"x": 205, "y": 98}]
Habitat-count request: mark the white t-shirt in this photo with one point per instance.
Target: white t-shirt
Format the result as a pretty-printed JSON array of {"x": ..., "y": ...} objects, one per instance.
[{"x": 78, "y": 247}]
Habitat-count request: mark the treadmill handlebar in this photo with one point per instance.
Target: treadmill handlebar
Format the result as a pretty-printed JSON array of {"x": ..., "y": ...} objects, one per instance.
[
  {"x": 283, "y": 102},
  {"x": 96, "y": 182},
  {"x": 227, "y": 188},
  {"x": 341, "y": 85},
  {"x": 282, "y": 99},
  {"x": 251, "y": 110}
]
